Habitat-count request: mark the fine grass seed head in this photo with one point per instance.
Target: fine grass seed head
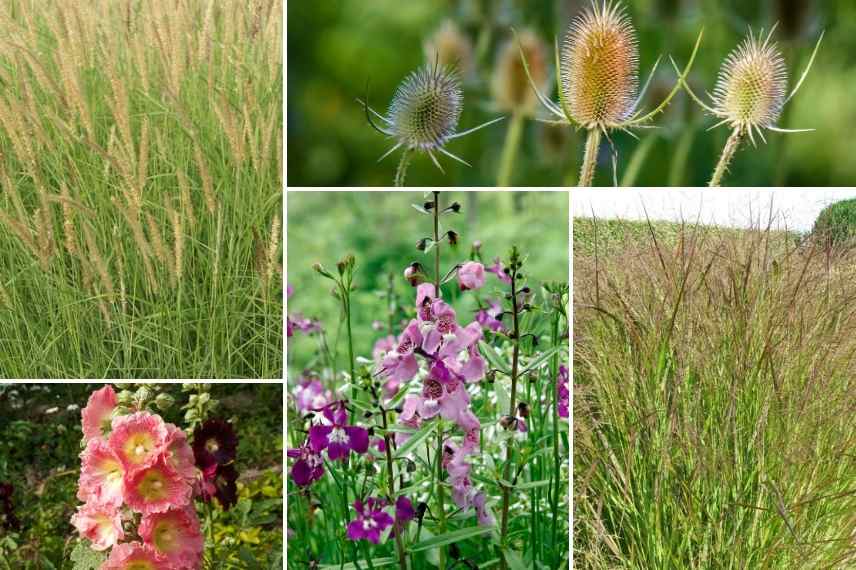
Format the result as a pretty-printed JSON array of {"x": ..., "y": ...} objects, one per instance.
[
  {"x": 426, "y": 107},
  {"x": 599, "y": 64},
  {"x": 752, "y": 84}
]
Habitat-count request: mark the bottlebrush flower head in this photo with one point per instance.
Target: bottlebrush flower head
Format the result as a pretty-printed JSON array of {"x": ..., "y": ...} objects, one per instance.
[
  {"x": 214, "y": 442},
  {"x": 98, "y": 413},
  {"x": 175, "y": 535},
  {"x": 102, "y": 475},
  {"x": 138, "y": 439},
  {"x": 156, "y": 489},
  {"x": 100, "y": 524},
  {"x": 135, "y": 556}
]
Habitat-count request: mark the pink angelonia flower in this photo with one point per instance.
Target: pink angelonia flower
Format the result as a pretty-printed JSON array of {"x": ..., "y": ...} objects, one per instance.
[
  {"x": 483, "y": 512},
  {"x": 371, "y": 520},
  {"x": 135, "y": 556},
  {"x": 138, "y": 440},
  {"x": 443, "y": 337},
  {"x": 304, "y": 325},
  {"x": 101, "y": 475},
  {"x": 498, "y": 269},
  {"x": 473, "y": 368},
  {"x": 310, "y": 395},
  {"x": 488, "y": 317},
  {"x": 401, "y": 365},
  {"x": 175, "y": 535},
  {"x": 425, "y": 295},
  {"x": 100, "y": 524},
  {"x": 97, "y": 416},
  {"x": 335, "y": 435},
  {"x": 409, "y": 417},
  {"x": 471, "y": 275},
  {"x": 309, "y": 466},
  {"x": 443, "y": 393},
  {"x": 454, "y": 460},
  {"x": 156, "y": 489},
  {"x": 382, "y": 346},
  {"x": 564, "y": 394}
]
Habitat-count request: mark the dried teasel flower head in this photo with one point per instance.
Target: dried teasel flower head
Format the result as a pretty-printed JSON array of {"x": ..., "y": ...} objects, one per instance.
[
  {"x": 510, "y": 85},
  {"x": 451, "y": 47},
  {"x": 599, "y": 63},
  {"x": 752, "y": 85}
]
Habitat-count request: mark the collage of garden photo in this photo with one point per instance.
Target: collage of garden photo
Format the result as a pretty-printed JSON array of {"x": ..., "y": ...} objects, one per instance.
[{"x": 611, "y": 325}]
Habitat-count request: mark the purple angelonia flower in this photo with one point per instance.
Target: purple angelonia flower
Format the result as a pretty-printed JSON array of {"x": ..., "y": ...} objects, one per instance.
[
  {"x": 310, "y": 395},
  {"x": 404, "y": 511},
  {"x": 471, "y": 275},
  {"x": 498, "y": 269},
  {"x": 335, "y": 435},
  {"x": 309, "y": 466},
  {"x": 564, "y": 394},
  {"x": 371, "y": 520},
  {"x": 488, "y": 317}
]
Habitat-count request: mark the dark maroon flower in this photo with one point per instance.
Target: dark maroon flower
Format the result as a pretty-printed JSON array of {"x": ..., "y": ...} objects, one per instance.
[
  {"x": 8, "y": 520},
  {"x": 214, "y": 443},
  {"x": 371, "y": 520},
  {"x": 335, "y": 435},
  {"x": 221, "y": 481},
  {"x": 309, "y": 466}
]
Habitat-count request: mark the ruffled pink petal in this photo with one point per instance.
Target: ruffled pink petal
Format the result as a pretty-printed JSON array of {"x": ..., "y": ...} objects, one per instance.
[
  {"x": 100, "y": 524},
  {"x": 176, "y": 535},
  {"x": 156, "y": 489},
  {"x": 179, "y": 455},
  {"x": 97, "y": 415},
  {"x": 138, "y": 439},
  {"x": 135, "y": 556},
  {"x": 101, "y": 475}
]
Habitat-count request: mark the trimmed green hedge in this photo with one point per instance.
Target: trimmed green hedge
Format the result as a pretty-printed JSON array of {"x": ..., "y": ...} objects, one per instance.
[{"x": 837, "y": 222}]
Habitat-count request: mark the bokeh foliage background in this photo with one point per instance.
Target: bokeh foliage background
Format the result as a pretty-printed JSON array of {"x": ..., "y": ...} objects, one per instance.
[
  {"x": 381, "y": 230},
  {"x": 335, "y": 46}
]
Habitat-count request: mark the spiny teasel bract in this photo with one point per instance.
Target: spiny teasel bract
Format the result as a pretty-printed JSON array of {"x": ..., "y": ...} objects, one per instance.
[
  {"x": 424, "y": 114},
  {"x": 750, "y": 93},
  {"x": 598, "y": 79}
]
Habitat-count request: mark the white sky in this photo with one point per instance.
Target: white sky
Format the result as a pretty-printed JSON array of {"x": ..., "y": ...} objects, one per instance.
[{"x": 793, "y": 208}]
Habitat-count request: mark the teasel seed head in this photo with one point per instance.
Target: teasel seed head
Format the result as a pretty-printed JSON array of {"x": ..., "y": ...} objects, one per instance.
[
  {"x": 451, "y": 47},
  {"x": 426, "y": 107},
  {"x": 752, "y": 85},
  {"x": 599, "y": 63},
  {"x": 510, "y": 86}
]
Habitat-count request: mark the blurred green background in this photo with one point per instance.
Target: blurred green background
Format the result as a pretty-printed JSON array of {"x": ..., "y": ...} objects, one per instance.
[
  {"x": 381, "y": 229},
  {"x": 335, "y": 46}
]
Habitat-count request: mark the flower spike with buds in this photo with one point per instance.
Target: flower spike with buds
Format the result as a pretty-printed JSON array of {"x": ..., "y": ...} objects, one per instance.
[
  {"x": 750, "y": 93},
  {"x": 598, "y": 79},
  {"x": 423, "y": 116}
]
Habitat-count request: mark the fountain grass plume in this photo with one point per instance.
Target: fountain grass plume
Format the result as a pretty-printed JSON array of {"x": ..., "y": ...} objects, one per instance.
[
  {"x": 598, "y": 80},
  {"x": 750, "y": 93},
  {"x": 423, "y": 116}
]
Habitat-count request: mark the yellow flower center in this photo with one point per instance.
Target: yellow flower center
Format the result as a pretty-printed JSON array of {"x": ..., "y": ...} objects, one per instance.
[
  {"x": 152, "y": 485},
  {"x": 138, "y": 447},
  {"x": 165, "y": 536},
  {"x": 212, "y": 446}
]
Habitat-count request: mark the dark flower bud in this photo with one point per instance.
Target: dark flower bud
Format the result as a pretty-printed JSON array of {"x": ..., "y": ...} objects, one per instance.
[
  {"x": 411, "y": 466},
  {"x": 454, "y": 207},
  {"x": 523, "y": 409},
  {"x": 420, "y": 510},
  {"x": 422, "y": 244},
  {"x": 508, "y": 422},
  {"x": 453, "y": 237},
  {"x": 428, "y": 205},
  {"x": 414, "y": 273},
  {"x": 399, "y": 409}
]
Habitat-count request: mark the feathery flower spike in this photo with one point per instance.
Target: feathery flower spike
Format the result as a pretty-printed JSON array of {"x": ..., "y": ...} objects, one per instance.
[
  {"x": 750, "y": 93},
  {"x": 598, "y": 80},
  {"x": 423, "y": 116}
]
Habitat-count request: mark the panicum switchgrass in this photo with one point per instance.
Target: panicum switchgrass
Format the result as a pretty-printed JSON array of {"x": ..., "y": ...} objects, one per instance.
[
  {"x": 714, "y": 379},
  {"x": 423, "y": 116},
  {"x": 140, "y": 145},
  {"x": 750, "y": 93},
  {"x": 598, "y": 80}
]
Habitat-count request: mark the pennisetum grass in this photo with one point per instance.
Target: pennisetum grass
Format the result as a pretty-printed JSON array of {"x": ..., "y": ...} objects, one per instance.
[
  {"x": 750, "y": 93},
  {"x": 598, "y": 80}
]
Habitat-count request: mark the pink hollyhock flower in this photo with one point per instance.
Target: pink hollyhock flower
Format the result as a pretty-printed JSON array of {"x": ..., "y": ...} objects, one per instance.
[
  {"x": 371, "y": 520},
  {"x": 138, "y": 439},
  {"x": 309, "y": 466},
  {"x": 471, "y": 275},
  {"x": 100, "y": 524},
  {"x": 310, "y": 395},
  {"x": 175, "y": 535},
  {"x": 483, "y": 512},
  {"x": 156, "y": 489},
  {"x": 135, "y": 556},
  {"x": 179, "y": 455},
  {"x": 564, "y": 394},
  {"x": 401, "y": 365},
  {"x": 488, "y": 318},
  {"x": 98, "y": 414},
  {"x": 498, "y": 269},
  {"x": 335, "y": 435},
  {"x": 101, "y": 475}
]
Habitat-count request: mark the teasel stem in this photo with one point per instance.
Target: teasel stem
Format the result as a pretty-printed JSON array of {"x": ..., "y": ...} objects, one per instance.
[
  {"x": 401, "y": 171},
  {"x": 515, "y": 356},
  {"x": 399, "y": 546},
  {"x": 725, "y": 159},
  {"x": 590, "y": 158},
  {"x": 509, "y": 149}
]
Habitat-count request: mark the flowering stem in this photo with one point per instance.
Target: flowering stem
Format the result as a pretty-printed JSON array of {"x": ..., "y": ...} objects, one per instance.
[
  {"x": 727, "y": 154},
  {"x": 515, "y": 356},
  {"x": 401, "y": 172},
  {"x": 437, "y": 244},
  {"x": 402, "y": 560},
  {"x": 509, "y": 150},
  {"x": 554, "y": 374},
  {"x": 590, "y": 158},
  {"x": 440, "y": 490}
]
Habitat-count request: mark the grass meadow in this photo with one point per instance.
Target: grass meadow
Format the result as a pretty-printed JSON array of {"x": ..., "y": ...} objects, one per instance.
[
  {"x": 141, "y": 175},
  {"x": 714, "y": 398}
]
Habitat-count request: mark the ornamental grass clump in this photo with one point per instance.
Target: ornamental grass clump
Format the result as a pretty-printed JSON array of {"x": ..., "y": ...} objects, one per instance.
[
  {"x": 598, "y": 80},
  {"x": 423, "y": 116},
  {"x": 750, "y": 93}
]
